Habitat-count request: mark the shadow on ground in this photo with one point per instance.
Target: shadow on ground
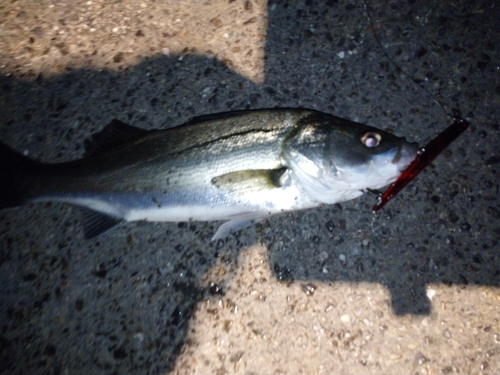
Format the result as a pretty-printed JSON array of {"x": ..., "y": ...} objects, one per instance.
[{"x": 122, "y": 303}]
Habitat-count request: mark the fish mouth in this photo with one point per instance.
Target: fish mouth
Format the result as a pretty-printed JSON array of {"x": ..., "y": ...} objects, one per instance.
[{"x": 406, "y": 153}]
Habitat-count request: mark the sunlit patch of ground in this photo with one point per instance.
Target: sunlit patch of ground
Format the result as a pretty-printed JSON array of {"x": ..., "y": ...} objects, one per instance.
[
  {"x": 54, "y": 36},
  {"x": 263, "y": 326}
]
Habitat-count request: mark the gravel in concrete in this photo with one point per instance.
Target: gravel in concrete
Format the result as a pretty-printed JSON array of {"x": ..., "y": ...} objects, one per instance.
[{"x": 413, "y": 289}]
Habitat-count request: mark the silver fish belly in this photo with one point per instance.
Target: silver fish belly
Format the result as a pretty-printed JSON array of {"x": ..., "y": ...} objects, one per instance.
[{"x": 241, "y": 167}]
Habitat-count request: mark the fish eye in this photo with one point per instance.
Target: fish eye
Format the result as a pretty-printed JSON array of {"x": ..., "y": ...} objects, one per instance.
[{"x": 371, "y": 139}]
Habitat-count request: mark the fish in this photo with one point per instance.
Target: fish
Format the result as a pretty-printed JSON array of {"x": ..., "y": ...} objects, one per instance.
[{"x": 239, "y": 167}]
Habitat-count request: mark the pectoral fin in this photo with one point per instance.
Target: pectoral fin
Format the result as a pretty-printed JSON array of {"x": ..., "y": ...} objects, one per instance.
[{"x": 250, "y": 180}]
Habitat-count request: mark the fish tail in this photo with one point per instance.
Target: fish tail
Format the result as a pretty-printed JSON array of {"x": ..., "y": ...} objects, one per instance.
[{"x": 15, "y": 170}]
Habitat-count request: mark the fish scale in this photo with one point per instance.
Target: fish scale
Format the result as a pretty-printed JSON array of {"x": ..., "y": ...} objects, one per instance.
[{"x": 241, "y": 167}]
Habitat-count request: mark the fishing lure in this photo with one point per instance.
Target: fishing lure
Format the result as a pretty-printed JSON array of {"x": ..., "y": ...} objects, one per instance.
[
  {"x": 424, "y": 157},
  {"x": 426, "y": 154}
]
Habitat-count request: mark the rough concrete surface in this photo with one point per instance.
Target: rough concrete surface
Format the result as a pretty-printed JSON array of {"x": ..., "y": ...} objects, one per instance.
[{"x": 413, "y": 289}]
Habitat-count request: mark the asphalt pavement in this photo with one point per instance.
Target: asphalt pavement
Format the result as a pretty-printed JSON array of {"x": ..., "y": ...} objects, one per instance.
[{"x": 412, "y": 289}]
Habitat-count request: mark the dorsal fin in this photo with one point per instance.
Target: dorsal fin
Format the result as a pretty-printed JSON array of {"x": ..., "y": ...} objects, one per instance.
[
  {"x": 115, "y": 134},
  {"x": 218, "y": 116}
]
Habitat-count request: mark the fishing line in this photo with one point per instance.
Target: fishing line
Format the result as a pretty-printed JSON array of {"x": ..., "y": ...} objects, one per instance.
[
  {"x": 399, "y": 68},
  {"x": 455, "y": 112},
  {"x": 426, "y": 154}
]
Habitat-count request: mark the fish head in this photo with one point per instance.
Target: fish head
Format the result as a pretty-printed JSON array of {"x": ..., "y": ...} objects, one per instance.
[{"x": 336, "y": 160}]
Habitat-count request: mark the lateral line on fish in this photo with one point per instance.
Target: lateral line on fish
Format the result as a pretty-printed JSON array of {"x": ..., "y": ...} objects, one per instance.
[
  {"x": 319, "y": 147},
  {"x": 225, "y": 138}
]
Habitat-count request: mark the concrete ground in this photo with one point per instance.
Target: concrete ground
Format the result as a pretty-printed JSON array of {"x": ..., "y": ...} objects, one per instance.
[{"x": 413, "y": 289}]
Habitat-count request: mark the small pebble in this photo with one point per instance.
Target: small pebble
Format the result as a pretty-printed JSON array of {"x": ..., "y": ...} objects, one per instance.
[
  {"x": 308, "y": 289},
  {"x": 329, "y": 308},
  {"x": 323, "y": 256},
  {"x": 342, "y": 258},
  {"x": 430, "y": 293},
  {"x": 222, "y": 271},
  {"x": 420, "y": 359},
  {"x": 447, "y": 334}
]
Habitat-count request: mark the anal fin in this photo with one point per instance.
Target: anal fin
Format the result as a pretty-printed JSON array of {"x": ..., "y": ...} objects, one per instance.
[{"x": 96, "y": 223}]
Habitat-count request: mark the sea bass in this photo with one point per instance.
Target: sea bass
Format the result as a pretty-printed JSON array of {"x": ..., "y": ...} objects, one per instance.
[{"x": 240, "y": 167}]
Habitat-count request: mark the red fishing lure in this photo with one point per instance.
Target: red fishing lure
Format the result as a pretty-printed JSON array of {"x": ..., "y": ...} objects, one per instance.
[{"x": 425, "y": 156}]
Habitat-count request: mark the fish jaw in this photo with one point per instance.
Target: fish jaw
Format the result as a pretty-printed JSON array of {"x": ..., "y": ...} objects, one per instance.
[
  {"x": 407, "y": 152},
  {"x": 387, "y": 167},
  {"x": 350, "y": 181}
]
